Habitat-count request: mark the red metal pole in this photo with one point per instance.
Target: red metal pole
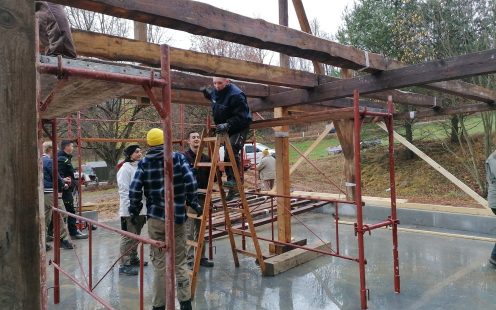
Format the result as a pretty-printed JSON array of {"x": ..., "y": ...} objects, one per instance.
[
  {"x": 272, "y": 216},
  {"x": 69, "y": 126},
  {"x": 141, "y": 277},
  {"x": 170, "y": 266},
  {"x": 56, "y": 215},
  {"x": 90, "y": 258},
  {"x": 336, "y": 222},
  {"x": 80, "y": 179},
  {"x": 358, "y": 200},
  {"x": 392, "y": 182}
]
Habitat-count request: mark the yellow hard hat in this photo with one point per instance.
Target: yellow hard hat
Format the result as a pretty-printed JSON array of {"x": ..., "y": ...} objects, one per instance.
[
  {"x": 155, "y": 137},
  {"x": 265, "y": 152}
]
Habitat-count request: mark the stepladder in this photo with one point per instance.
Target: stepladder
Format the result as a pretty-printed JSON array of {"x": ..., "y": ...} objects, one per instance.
[{"x": 215, "y": 184}]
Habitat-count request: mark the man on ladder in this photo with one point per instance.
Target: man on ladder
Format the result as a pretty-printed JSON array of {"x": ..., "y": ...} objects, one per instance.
[{"x": 231, "y": 115}]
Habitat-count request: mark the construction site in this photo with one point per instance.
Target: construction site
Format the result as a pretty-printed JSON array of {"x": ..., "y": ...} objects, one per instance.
[{"x": 317, "y": 237}]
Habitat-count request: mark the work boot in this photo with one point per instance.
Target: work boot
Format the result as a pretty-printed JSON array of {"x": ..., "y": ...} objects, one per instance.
[
  {"x": 158, "y": 308},
  {"x": 231, "y": 184},
  {"x": 206, "y": 263},
  {"x": 186, "y": 305},
  {"x": 231, "y": 195},
  {"x": 79, "y": 235},
  {"x": 66, "y": 244},
  {"x": 128, "y": 270},
  {"x": 48, "y": 247},
  {"x": 492, "y": 260}
]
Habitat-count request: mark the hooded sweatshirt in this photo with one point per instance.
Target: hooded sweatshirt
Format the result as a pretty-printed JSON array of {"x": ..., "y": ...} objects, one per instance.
[
  {"x": 149, "y": 179},
  {"x": 124, "y": 177}
]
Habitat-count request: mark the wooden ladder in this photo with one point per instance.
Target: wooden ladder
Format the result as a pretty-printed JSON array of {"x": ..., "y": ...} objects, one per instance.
[{"x": 214, "y": 143}]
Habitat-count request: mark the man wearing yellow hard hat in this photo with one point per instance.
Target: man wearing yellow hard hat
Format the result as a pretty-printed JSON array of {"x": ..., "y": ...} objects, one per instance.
[{"x": 149, "y": 179}]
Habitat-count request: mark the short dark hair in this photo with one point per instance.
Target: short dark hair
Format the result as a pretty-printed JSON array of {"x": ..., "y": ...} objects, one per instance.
[
  {"x": 65, "y": 143},
  {"x": 192, "y": 131}
]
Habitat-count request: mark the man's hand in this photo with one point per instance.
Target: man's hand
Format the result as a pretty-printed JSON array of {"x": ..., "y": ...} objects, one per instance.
[
  {"x": 222, "y": 128},
  {"x": 207, "y": 92},
  {"x": 134, "y": 210},
  {"x": 134, "y": 219}
]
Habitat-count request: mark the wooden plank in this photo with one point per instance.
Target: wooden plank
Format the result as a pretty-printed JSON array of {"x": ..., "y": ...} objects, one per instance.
[
  {"x": 283, "y": 262},
  {"x": 303, "y": 118},
  {"x": 22, "y": 253},
  {"x": 309, "y": 150},
  {"x": 446, "y": 69},
  {"x": 464, "y": 109},
  {"x": 439, "y": 168},
  {"x": 113, "y": 48}
]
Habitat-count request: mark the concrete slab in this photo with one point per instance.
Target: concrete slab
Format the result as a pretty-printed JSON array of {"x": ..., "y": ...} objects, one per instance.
[{"x": 437, "y": 272}]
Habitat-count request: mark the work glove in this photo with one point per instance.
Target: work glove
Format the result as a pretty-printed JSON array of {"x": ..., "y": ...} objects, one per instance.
[
  {"x": 207, "y": 92},
  {"x": 134, "y": 210},
  {"x": 197, "y": 207},
  {"x": 134, "y": 219},
  {"x": 222, "y": 128}
]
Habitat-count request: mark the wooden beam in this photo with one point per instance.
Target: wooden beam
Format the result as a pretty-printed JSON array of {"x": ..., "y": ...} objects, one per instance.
[
  {"x": 113, "y": 48},
  {"x": 309, "y": 150},
  {"x": 203, "y": 19},
  {"x": 438, "y": 167},
  {"x": 22, "y": 239},
  {"x": 453, "y": 68},
  {"x": 345, "y": 113}
]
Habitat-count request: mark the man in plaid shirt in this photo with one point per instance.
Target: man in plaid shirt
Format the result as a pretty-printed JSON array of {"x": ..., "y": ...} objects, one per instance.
[{"x": 149, "y": 179}]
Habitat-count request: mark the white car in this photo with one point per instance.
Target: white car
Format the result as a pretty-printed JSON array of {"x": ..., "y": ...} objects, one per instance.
[{"x": 249, "y": 154}]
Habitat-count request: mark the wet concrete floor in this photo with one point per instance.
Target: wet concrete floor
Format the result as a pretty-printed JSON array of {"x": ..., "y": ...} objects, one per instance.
[{"x": 436, "y": 273}]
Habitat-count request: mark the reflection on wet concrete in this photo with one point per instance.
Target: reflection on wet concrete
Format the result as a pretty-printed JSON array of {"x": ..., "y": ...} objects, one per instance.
[{"x": 436, "y": 273}]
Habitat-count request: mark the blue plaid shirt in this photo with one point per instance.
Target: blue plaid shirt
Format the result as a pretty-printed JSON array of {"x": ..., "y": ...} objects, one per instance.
[{"x": 149, "y": 177}]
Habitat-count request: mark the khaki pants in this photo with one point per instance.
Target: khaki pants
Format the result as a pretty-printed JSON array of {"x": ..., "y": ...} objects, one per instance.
[
  {"x": 268, "y": 184},
  {"x": 48, "y": 197},
  {"x": 193, "y": 228},
  {"x": 156, "y": 231},
  {"x": 130, "y": 257}
]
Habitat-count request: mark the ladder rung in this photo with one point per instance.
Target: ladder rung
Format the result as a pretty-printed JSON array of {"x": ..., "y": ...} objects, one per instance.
[
  {"x": 224, "y": 163},
  {"x": 241, "y": 232},
  {"x": 210, "y": 139},
  {"x": 204, "y": 164},
  {"x": 247, "y": 253},
  {"x": 192, "y": 243}
]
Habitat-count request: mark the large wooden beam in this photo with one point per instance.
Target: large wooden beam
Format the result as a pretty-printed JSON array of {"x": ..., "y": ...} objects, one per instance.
[
  {"x": 453, "y": 68},
  {"x": 332, "y": 115},
  {"x": 464, "y": 109},
  {"x": 22, "y": 248},
  {"x": 203, "y": 19},
  {"x": 114, "y": 48}
]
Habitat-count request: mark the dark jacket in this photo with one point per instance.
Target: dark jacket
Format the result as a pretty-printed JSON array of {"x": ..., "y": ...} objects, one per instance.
[
  {"x": 202, "y": 174},
  {"x": 65, "y": 167},
  {"x": 48, "y": 175},
  {"x": 230, "y": 106},
  {"x": 149, "y": 179}
]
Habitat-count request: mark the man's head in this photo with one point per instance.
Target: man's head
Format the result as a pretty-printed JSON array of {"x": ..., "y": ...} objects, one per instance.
[
  {"x": 133, "y": 153},
  {"x": 155, "y": 137},
  {"x": 47, "y": 147},
  {"x": 220, "y": 83},
  {"x": 194, "y": 140},
  {"x": 67, "y": 146}
]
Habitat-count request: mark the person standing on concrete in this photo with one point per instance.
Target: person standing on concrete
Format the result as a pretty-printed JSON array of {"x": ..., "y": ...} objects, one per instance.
[
  {"x": 66, "y": 170},
  {"x": 48, "y": 195},
  {"x": 202, "y": 174},
  {"x": 128, "y": 247},
  {"x": 232, "y": 116},
  {"x": 54, "y": 30},
  {"x": 267, "y": 170},
  {"x": 491, "y": 193},
  {"x": 149, "y": 179}
]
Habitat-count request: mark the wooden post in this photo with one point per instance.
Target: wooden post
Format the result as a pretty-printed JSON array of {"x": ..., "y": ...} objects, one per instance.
[
  {"x": 344, "y": 131},
  {"x": 283, "y": 182},
  {"x": 20, "y": 201}
]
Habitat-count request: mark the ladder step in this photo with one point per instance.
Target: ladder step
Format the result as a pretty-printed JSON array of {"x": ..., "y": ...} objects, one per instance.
[
  {"x": 247, "y": 253},
  {"x": 210, "y": 139},
  {"x": 241, "y": 232},
  {"x": 203, "y": 164},
  {"x": 193, "y": 216},
  {"x": 192, "y": 243}
]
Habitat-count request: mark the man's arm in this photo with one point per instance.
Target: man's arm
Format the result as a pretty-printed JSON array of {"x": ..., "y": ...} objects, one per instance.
[{"x": 261, "y": 165}]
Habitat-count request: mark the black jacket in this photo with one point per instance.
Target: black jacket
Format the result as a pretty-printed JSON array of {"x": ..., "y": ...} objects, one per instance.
[
  {"x": 230, "y": 106},
  {"x": 202, "y": 173},
  {"x": 48, "y": 175},
  {"x": 65, "y": 166}
]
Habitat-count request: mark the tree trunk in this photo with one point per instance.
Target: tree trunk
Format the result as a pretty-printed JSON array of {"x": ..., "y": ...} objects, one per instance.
[{"x": 454, "y": 129}]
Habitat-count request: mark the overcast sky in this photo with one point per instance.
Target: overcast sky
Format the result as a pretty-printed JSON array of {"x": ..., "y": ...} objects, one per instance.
[{"x": 328, "y": 13}]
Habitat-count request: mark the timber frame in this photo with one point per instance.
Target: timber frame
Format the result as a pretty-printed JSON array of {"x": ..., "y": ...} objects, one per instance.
[{"x": 268, "y": 87}]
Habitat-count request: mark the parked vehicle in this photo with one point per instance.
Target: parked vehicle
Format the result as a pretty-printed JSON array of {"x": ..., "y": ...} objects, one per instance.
[
  {"x": 249, "y": 154},
  {"x": 88, "y": 175}
]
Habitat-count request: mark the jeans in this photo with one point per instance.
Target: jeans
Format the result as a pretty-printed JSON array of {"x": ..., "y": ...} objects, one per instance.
[
  {"x": 237, "y": 142},
  {"x": 130, "y": 257},
  {"x": 69, "y": 206}
]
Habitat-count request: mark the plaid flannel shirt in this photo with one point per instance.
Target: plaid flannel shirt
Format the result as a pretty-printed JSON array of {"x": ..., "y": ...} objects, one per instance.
[{"x": 149, "y": 178}]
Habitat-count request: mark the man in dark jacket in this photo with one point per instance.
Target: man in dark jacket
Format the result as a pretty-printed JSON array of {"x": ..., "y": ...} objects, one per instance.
[
  {"x": 66, "y": 170},
  {"x": 48, "y": 195},
  {"x": 231, "y": 115},
  {"x": 491, "y": 193},
  {"x": 149, "y": 179},
  {"x": 202, "y": 174}
]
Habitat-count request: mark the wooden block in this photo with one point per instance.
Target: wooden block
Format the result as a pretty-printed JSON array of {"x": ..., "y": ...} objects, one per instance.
[
  {"x": 281, "y": 263},
  {"x": 279, "y": 248}
]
